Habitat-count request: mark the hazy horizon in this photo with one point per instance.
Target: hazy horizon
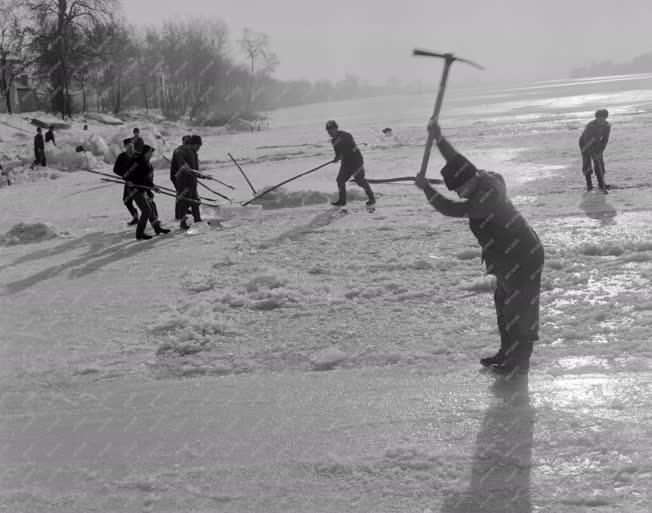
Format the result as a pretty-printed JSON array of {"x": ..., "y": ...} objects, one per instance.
[{"x": 515, "y": 40}]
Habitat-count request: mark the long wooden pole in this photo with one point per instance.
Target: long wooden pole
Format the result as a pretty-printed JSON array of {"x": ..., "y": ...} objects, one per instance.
[{"x": 267, "y": 191}]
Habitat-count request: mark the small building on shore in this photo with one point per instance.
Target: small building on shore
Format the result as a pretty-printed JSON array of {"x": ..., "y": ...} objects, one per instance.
[{"x": 22, "y": 94}]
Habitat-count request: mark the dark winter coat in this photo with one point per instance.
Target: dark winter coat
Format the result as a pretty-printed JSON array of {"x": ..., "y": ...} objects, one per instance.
[
  {"x": 39, "y": 144},
  {"x": 183, "y": 154},
  {"x": 186, "y": 181},
  {"x": 595, "y": 137},
  {"x": 140, "y": 172},
  {"x": 346, "y": 151},
  {"x": 49, "y": 136},
  {"x": 122, "y": 164},
  {"x": 506, "y": 239}
]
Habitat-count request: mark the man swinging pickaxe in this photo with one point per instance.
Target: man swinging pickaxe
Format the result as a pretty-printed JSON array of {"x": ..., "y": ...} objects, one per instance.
[{"x": 449, "y": 59}]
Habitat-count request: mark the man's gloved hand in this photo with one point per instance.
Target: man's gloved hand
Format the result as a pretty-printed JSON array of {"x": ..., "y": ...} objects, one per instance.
[{"x": 434, "y": 129}]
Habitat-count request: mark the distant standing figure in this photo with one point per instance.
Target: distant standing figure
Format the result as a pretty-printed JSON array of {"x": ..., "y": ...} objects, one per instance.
[
  {"x": 352, "y": 164},
  {"x": 39, "y": 149},
  {"x": 49, "y": 135},
  {"x": 137, "y": 141},
  {"x": 85, "y": 127},
  {"x": 593, "y": 142},
  {"x": 120, "y": 168}
]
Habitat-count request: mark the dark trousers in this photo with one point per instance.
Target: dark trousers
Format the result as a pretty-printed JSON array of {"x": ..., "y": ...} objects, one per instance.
[
  {"x": 597, "y": 166},
  {"x": 128, "y": 200},
  {"x": 187, "y": 189},
  {"x": 516, "y": 299},
  {"x": 147, "y": 211},
  {"x": 345, "y": 175},
  {"x": 39, "y": 157}
]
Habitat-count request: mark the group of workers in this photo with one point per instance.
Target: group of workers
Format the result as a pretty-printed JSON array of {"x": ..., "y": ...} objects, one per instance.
[
  {"x": 511, "y": 249},
  {"x": 134, "y": 167}
]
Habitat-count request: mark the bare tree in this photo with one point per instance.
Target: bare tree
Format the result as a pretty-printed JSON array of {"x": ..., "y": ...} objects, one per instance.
[
  {"x": 56, "y": 35},
  {"x": 256, "y": 47},
  {"x": 13, "y": 59}
]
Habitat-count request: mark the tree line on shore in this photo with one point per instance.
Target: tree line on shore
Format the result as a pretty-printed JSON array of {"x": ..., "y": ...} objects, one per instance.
[
  {"x": 639, "y": 64},
  {"x": 85, "y": 55}
]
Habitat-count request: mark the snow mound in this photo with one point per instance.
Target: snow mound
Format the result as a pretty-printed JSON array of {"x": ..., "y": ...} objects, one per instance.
[
  {"x": 469, "y": 254},
  {"x": 482, "y": 284},
  {"x": 282, "y": 198},
  {"x": 269, "y": 281},
  {"x": 604, "y": 249},
  {"x": 47, "y": 122},
  {"x": 327, "y": 358},
  {"x": 29, "y": 233},
  {"x": 105, "y": 119},
  {"x": 68, "y": 159},
  {"x": 195, "y": 281}
]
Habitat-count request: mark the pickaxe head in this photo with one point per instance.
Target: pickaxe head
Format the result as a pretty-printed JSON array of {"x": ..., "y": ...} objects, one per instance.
[{"x": 449, "y": 57}]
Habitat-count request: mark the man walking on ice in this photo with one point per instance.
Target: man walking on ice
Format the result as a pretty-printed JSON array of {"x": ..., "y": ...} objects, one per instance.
[
  {"x": 593, "y": 142},
  {"x": 352, "y": 164},
  {"x": 511, "y": 251}
]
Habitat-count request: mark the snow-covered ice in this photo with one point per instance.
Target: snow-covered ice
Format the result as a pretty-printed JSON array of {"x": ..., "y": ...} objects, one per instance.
[{"x": 178, "y": 374}]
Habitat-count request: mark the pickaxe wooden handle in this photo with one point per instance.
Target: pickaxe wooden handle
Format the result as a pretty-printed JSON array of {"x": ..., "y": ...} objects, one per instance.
[{"x": 449, "y": 58}]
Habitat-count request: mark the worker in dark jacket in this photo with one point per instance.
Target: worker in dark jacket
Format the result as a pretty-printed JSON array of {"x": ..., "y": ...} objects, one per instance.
[
  {"x": 593, "y": 142},
  {"x": 39, "y": 149},
  {"x": 122, "y": 164},
  {"x": 175, "y": 163},
  {"x": 186, "y": 161},
  {"x": 140, "y": 178},
  {"x": 352, "y": 164},
  {"x": 49, "y": 135},
  {"x": 137, "y": 141},
  {"x": 511, "y": 251}
]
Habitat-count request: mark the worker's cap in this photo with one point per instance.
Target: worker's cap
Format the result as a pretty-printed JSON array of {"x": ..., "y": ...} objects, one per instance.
[
  {"x": 601, "y": 113},
  {"x": 127, "y": 141},
  {"x": 330, "y": 125},
  {"x": 457, "y": 172},
  {"x": 195, "y": 139}
]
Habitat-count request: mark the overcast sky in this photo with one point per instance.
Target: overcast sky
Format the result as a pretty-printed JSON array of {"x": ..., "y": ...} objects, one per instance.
[{"x": 514, "y": 39}]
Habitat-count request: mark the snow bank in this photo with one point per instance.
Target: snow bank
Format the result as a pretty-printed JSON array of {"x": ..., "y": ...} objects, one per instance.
[
  {"x": 327, "y": 358},
  {"x": 26, "y": 233},
  {"x": 603, "y": 249},
  {"x": 48, "y": 121},
  {"x": 482, "y": 284},
  {"x": 68, "y": 159},
  {"x": 105, "y": 119}
]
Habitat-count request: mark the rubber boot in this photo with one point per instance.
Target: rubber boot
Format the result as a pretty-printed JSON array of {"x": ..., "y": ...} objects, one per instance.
[{"x": 517, "y": 361}]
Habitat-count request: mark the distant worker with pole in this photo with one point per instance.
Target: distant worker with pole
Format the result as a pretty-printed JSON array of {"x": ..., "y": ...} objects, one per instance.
[{"x": 352, "y": 164}]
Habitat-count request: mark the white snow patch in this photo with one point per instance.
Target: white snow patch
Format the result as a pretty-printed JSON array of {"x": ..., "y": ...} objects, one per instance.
[
  {"x": 327, "y": 358},
  {"x": 607, "y": 248},
  {"x": 469, "y": 254},
  {"x": 196, "y": 281},
  {"x": 482, "y": 284}
]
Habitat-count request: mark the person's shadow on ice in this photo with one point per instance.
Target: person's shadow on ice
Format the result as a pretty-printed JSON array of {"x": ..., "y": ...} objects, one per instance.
[
  {"x": 500, "y": 475},
  {"x": 595, "y": 206}
]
